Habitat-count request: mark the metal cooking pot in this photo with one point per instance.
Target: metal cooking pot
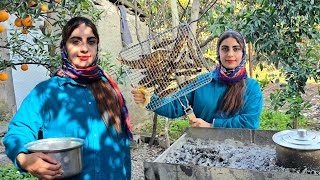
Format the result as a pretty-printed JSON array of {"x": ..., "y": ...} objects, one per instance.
[
  {"x": 298, "y": 148},
  {"x": 67, "y": 151}
]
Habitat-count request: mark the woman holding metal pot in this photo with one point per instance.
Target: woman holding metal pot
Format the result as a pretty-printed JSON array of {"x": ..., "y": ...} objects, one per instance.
[
  {"x": 80, "y": 101},
  {"x": 230, "y": 100}
]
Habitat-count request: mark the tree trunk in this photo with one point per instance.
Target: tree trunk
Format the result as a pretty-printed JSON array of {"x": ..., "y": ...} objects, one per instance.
[
  {"x": 6, "y": 87},
  {"x": 8, "y": 95},
  {"x": 166, "y": 133},
  {"x": 250, "y": 59},
  {"x": 194, "y": 15},
  {"x": 295, "y": 123},
  {"x": 154, "y": 129},
  {"x": 174, "y": 11},
  {"x": 175, "y": 15}
]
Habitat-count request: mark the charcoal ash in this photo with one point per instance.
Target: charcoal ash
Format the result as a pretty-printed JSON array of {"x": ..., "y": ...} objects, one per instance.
[{"x": 230, "y": 154}]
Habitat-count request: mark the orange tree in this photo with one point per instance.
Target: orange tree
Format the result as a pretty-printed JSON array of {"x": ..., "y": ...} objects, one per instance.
[
  {"x": 35, "y": 33},
  {"x": 285, "y": 33}
]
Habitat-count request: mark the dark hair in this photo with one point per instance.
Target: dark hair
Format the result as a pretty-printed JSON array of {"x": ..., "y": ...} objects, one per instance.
[
  {"x": 102, "y": 91},
  {"x": 75, "y": 22},
  {"x": 234, "y": 98}
]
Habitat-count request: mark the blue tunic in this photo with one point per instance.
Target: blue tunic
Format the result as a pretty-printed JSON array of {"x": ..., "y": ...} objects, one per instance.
[
  {"x": 207, "y": 99},
  {"x": 62, "y": 107}
]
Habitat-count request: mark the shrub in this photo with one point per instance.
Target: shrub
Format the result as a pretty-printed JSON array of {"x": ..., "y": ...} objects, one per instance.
[
  {"x": 269, "y": 120},
  {"x": 276, "y": 120},
  {"x": 9, "y": 172},
  {"x": 176, "y": 127}
]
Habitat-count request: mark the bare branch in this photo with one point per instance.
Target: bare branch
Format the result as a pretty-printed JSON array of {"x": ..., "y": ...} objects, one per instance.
[
  {"x": 206, "y": 9},
  {"x": 5, "y": 47},
  {"x": 184, "y": 9},
  {"x": 204, "y": 43},
  {"x": 43, "y": 64},
  {"x": 136, "y": 21},
  {"x": 200, "y": 30}
]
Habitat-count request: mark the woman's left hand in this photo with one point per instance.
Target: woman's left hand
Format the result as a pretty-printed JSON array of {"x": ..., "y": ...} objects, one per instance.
[{"x": 198, "y": 122}]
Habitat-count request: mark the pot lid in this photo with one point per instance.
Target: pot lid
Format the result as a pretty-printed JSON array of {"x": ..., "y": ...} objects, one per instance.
[{"x": 299, "y": 139}]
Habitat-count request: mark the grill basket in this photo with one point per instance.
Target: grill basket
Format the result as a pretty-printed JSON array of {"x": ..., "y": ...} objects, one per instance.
[{"x": 167, "y": 65}]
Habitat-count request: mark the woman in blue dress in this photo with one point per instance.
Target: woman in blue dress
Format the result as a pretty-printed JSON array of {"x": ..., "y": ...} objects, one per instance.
[
  {"x": 230, "y": 100},
  {"x": 80, "y": 101}
]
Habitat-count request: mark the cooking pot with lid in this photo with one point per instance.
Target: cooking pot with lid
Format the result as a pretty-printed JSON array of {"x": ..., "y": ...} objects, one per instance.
[{"x": 298, "y": 148}]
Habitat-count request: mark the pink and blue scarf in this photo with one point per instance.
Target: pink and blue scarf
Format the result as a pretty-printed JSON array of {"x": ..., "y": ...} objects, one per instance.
[
  {"x": 89, "y": 75},
  {"x": 231, "y": 76}
]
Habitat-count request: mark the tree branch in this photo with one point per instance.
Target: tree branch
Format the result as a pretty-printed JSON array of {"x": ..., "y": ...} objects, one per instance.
[
  {"x": 43, "y": 64},
  {"x": 206, "y": 9},
  {"x": 5, "y": 47},
  {"x": 199, "y": 30},
  {"x": 204, "y": 43},
  {"x": 130, "y": 5}
]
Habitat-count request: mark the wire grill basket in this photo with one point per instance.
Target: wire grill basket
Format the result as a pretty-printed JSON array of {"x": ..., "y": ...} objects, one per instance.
[{"x": 167, "y": 65}]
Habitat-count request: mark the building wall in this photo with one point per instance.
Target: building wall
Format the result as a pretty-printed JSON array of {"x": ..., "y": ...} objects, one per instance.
[{"x": 110, "y": 34}]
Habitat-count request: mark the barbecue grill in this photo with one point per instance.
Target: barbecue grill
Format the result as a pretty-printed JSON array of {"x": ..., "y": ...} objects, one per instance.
[{"x": 161, "y": 169}]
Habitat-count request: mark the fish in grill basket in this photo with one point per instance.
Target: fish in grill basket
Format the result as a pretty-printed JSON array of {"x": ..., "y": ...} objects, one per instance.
[
  {"x": 163, "y": 43},
  {"x": 174, "y": 88},
  {"x": 163, "y": 66},
  {"x": 146, "y": 61}
]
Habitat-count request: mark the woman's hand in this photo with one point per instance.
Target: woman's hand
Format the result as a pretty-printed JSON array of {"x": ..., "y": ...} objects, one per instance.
[
  {"x": 40, "y": 165},
  {"x": 198, "y": 122},
  {"x": 138, "y": 96}
]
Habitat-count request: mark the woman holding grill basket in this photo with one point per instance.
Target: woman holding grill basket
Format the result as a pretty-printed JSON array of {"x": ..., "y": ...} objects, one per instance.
[
  {"x": 80, "y": 101},
  {"x": 230, "y": 100}
]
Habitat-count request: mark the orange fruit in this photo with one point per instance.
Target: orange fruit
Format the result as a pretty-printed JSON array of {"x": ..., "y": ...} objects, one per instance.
[
  {"x": 3, "y": 15},
  {"x": 24, "y": 31},
  {"x": 44, "y": 7},
  {"x": 1, "y": 28},
  {"x": 18, "y": 22},
  {"x": 3, "y": 77},
  {"x": 31, "y": 3},
  {"x": 24, "y": 67},
  {"x": 27, "y": 21},
  {"x": 317, "y": 28}
]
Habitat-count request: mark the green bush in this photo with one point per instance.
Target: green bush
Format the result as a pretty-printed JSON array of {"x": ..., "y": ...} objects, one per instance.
[
  {"x": 176, "y": 127},
  {"x": 276, "y": 120},
  {"x": 269, "y": 120},
  {"x": 9, "y": 172}
]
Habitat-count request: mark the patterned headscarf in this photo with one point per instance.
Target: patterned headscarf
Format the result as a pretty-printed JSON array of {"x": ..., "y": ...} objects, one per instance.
[
  {"x": 91, "y": 74},
  {"x": 231, "y": 76},
  {"x": 82, "y": 75}
]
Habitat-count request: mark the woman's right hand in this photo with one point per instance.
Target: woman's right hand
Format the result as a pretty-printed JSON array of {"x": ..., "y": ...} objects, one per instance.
[
  {"x": 40, "y": 165},
  {"x": 138, "y": 96}
]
